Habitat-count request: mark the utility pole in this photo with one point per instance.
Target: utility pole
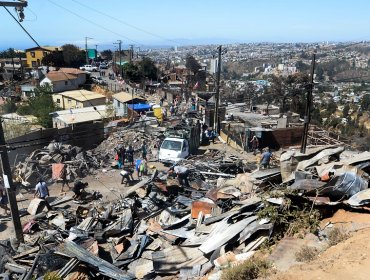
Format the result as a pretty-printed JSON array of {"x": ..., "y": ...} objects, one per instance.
[
  {"x": 216, "y": 118},
  {"x": 87, "y": 55},
  {"x": 307, "y": 117},
  {"x": 10, "y": 188},
  {"x": 120, "y": 57},
  {"x": 131, "y": 53}
]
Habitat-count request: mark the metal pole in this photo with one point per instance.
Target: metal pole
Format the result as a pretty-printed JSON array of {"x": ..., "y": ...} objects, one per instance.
[
  {"x": 216, "y": 118},
  {"x": 307, "y": 117},
  {"x": 10, "y": 188},
  {"x": 120, "y": 58},
  {"x": 87, "y": 56}
]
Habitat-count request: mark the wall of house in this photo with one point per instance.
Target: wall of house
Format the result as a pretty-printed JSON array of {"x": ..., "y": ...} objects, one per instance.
[
  {"x": 120, "y": 108},
  {"x": 94, "y": 102},
  {"x": 39, "y": 55},
  {"x": 60, "y": 86}
]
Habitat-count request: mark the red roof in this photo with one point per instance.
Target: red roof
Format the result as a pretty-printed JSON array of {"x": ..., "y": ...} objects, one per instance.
[{"x": 55, "y": 76}]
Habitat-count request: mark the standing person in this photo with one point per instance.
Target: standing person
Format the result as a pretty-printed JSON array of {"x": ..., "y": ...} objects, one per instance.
[
  {"x": 42, "y": 191},
  {"x": 144, "y": 150},
  {"x": 182, "y": 174},
  {"x": 172, "y": 110},
  {"x": 63, "y": 176},
  {"x": 266, "y": 157},
  {"x": 130, "y": 155},
  {"x": 255, "y": 144},
  {"x": 123, "y": 156},
  {"x": 78, "y": 188},
  {"x": 4, "y": 200}
]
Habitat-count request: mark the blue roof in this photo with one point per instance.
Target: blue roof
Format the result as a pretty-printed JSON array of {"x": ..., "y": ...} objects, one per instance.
[{"x": 140, "y": 107}]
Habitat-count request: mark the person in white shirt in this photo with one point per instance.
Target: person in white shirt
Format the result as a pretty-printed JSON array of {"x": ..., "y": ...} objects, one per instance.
[
  {"x": 182, "y": 174},
  {"x": 42, "y": 191}
]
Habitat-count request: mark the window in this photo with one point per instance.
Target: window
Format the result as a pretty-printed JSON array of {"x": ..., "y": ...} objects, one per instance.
[
  {"x": 65, "y": 83},
  {"x": 33, "y": 54},
  {"x": 58, "y": 100},
  {"x": 34, "y": 63},
  {"x": 171, "y": 145}
]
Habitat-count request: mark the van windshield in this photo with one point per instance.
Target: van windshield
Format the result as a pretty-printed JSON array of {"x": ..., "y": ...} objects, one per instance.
[{"x": 171, "y": 145}]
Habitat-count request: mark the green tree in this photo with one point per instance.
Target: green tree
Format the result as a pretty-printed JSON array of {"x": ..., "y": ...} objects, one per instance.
[
  {"x": 148, "y": 69},
  {"x": 41, "y": 105},
  {"x": 365, "y": 102},
  {"x": 106, "y": 54},
  {"x": 132, "y": 72},
  {"x": 346, "y": 111},
  {"x": 192, "y": 64},
  {"x": 9, "y": 53},
  {"x": 9, "y": 107},
  {"x": 54, "y": 59},
  {"x": 73, "y": 56},
  {"x": 331, "y": 107}
]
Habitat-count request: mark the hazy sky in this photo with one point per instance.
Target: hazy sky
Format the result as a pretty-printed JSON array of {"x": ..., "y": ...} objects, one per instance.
[{"x": 176, "y": 22}]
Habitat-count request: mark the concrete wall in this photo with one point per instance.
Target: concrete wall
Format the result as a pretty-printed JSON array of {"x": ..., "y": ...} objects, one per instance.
[{"x": 87, "y": 136}]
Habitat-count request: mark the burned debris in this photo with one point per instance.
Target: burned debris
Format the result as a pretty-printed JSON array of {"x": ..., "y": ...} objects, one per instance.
[{"x": 158, "y": 227}]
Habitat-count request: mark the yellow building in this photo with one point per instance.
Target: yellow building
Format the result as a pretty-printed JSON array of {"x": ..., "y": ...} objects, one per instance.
[
  {"x": 35, "y": 55},
  {"x": 74, "y": 99}
]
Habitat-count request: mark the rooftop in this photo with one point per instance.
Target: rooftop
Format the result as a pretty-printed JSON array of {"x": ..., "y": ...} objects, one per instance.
[
  {"x": 126, "y": 96},
  {"x": 81, "y": 115},
  {"x": 56, "y": 76},
  {"x": 81, "y": 95}
]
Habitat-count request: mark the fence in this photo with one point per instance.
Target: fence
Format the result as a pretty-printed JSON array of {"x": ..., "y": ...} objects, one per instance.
[{"x": 86, "y": 136}]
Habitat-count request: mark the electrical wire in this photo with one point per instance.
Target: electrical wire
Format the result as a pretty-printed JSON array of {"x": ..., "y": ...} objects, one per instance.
[
  {"x": 24, "y": 29},
  {"x": 125, "y": 23},
  {"x": 93, "y": 23}
]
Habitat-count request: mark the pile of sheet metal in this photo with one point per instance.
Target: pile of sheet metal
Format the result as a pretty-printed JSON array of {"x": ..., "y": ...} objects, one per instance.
[
  {"x": 326, "y": 176},
  {"x": 159, "y": 228}
]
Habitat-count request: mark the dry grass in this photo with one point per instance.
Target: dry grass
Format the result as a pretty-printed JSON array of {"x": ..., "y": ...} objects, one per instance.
[
  {"x": 306, "y": 254},
  {"x": 336, "y": 236},
  {"x": 250, "y": 269}
]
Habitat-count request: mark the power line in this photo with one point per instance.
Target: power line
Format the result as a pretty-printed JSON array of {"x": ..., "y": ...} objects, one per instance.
[
  {"x": 125, "y": 23},
  {"x": 24, "y": 29},
  {"x": 94, "y": 23}
]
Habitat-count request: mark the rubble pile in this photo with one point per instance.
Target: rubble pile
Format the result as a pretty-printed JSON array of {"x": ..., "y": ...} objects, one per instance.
[
  {"x": 127, "y": 137},
  {"x": 158, "y": 228},
  {"x": 39, "y": 163},
  {"x": 79, "y": 162}
]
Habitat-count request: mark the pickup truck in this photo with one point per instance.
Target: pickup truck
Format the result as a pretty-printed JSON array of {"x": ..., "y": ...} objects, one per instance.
[
  {"x": 89, "y": 68},
  {"x": 179, "y": 143}
]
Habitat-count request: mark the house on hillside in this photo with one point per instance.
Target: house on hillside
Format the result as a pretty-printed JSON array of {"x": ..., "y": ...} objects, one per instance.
[
  {"x": 79, "y": 116},
  {"x": 12, "y": 66},
  {"x": 78, "y": 99},
  {"x": 60, "y": 81},
  {"x": 121, "y": 101},
  {"x": 35, "y": 55}
]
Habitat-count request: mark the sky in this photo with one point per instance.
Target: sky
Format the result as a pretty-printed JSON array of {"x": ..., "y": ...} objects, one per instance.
[{"x": 183, "y": 22}]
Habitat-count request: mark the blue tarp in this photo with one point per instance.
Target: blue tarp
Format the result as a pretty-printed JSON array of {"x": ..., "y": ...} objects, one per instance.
[{"x": 140, "y": 107}]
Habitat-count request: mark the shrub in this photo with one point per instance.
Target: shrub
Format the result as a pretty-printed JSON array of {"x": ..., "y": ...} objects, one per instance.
[
  {"x": 250, "y": 269},
  {"x": 306, "y": 254}
]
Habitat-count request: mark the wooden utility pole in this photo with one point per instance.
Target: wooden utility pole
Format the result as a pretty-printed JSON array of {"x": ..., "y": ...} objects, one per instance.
[
  {"x": 216, "y": 118},
  {"x": 307, "y": 117},
  {"x": 9, "y": 186}
]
